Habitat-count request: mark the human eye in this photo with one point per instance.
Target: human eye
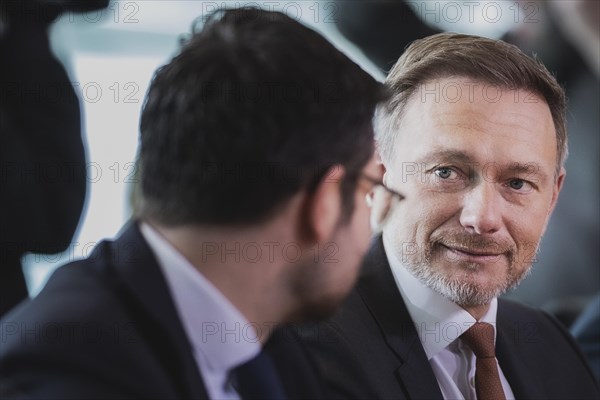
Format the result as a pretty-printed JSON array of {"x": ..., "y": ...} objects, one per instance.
[
  {"x": 445, "y": 173},
  {"x": 520, "y": 185},
  {"x": 447, "y": 178}
]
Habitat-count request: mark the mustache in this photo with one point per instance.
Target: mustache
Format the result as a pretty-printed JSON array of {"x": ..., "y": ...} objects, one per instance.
[{"x": 472, "y": 243}]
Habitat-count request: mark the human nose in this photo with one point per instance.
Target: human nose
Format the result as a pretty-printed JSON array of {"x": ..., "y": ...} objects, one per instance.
[{"x": 482, "y": 209}]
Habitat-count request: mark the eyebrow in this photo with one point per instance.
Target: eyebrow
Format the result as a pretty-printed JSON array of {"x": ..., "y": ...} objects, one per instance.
[{"x": 530, "y": 168}]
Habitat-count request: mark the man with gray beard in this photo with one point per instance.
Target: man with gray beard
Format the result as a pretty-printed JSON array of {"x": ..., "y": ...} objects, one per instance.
[{"x": 474, "y": 134}]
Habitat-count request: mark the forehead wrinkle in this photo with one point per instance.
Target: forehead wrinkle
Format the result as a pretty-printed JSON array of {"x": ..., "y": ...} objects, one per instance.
[
  {"x": 463, "y": 116},
  {"x": 446, "y": 154},
  {"x": 469, "y": 120}
]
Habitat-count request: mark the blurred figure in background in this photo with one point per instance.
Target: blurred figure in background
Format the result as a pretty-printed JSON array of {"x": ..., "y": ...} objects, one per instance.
[{"x": 42, "y": 171}]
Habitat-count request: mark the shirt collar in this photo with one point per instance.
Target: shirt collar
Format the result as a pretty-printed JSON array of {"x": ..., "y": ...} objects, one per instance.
[
  {"x": 216, "y": 329},
  {"x": 438, "y": 320}
]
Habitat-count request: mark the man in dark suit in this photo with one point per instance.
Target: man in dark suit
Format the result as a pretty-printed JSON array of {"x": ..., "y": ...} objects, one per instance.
[
  {"x": 474, "y": 135},
  {"x": 256, "y": 154}
]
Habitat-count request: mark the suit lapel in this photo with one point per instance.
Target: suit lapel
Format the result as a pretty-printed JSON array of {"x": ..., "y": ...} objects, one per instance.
[
  {"x": 142, "y": 287},
  {"x": 378, "y": 290},
  {"x": 294, "y": 367},
  {"x": 511, "y": 339}
]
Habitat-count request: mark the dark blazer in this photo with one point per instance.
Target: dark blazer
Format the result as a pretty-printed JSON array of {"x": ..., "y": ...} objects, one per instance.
[
  {"x": 107, "y": 327},
  {"x": 370, "y": 349}
]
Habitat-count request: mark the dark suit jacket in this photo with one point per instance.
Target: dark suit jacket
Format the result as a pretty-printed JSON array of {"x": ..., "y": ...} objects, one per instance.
[
  {"x": 370, "y": 349},
  {"x": 107, "y": 327}
]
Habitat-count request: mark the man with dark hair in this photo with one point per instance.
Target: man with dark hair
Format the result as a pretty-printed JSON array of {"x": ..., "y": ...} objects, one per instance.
[
  {"x": 474, "y": 133},
  {"x": 256, "y": 155}
]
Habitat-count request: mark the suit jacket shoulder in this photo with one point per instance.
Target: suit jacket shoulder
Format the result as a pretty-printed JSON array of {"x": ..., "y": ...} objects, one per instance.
[
  {"x": 539, "y": 357},
  {"x": 370, "y": 348},
  {"x": 107, "y": 327},
  {"x": 102, "y": 327}
]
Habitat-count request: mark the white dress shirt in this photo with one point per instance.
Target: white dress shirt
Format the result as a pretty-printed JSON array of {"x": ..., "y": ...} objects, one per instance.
[
  {"x": 221, "y": 337},
  {"x": 439, "y": 323}
]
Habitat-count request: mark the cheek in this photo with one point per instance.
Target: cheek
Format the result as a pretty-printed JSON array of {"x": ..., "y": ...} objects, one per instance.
[
  {"x": 421, "y": 214},
  {"x": 361, "y": 223},
  {"x": 362, "y": 212},
  {"x": 358, "y": 230},
  {"x": 527, "y": 229}
]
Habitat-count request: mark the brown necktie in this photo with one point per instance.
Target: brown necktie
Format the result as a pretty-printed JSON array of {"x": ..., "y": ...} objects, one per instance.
[{"x": 480, "y": 338}]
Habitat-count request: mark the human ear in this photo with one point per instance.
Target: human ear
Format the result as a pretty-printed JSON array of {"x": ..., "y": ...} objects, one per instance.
[
  {"x": 557, "y": 188},
  {"x": 324, "y": 206},
  {"x": 381, "y": 169}
]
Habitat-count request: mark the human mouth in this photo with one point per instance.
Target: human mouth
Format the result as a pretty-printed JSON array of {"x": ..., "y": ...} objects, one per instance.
[{"x": 471, "y": 254}]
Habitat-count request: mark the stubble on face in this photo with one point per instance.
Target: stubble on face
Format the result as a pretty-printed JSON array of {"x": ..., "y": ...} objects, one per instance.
[
  {"x": 462, "y": 282},
  {"x": 467, "y": 233},
  {"x": 329, "y": 274}
]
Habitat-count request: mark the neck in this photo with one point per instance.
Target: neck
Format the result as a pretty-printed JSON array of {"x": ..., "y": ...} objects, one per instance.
[{"x": 244, "y": 264}]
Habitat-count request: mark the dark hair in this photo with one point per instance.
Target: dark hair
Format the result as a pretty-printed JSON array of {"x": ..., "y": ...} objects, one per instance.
[
  {"x": 485, "y": 60},
  {"x": 255, "y": 108}
]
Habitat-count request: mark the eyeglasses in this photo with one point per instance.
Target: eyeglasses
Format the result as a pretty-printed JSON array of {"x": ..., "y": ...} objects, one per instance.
[{"x": 382, "y": 201}]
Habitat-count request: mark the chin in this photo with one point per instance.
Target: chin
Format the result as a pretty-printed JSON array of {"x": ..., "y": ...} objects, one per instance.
[
  {"x": 466, "y": 293},
  {"x": 466, "y": 284}
]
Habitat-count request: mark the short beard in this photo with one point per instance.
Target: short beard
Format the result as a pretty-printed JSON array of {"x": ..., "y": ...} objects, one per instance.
[{"x": 465, "y": 294}]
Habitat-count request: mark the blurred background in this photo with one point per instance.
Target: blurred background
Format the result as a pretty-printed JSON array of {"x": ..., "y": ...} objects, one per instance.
[{"x": 110, "y": 55}]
